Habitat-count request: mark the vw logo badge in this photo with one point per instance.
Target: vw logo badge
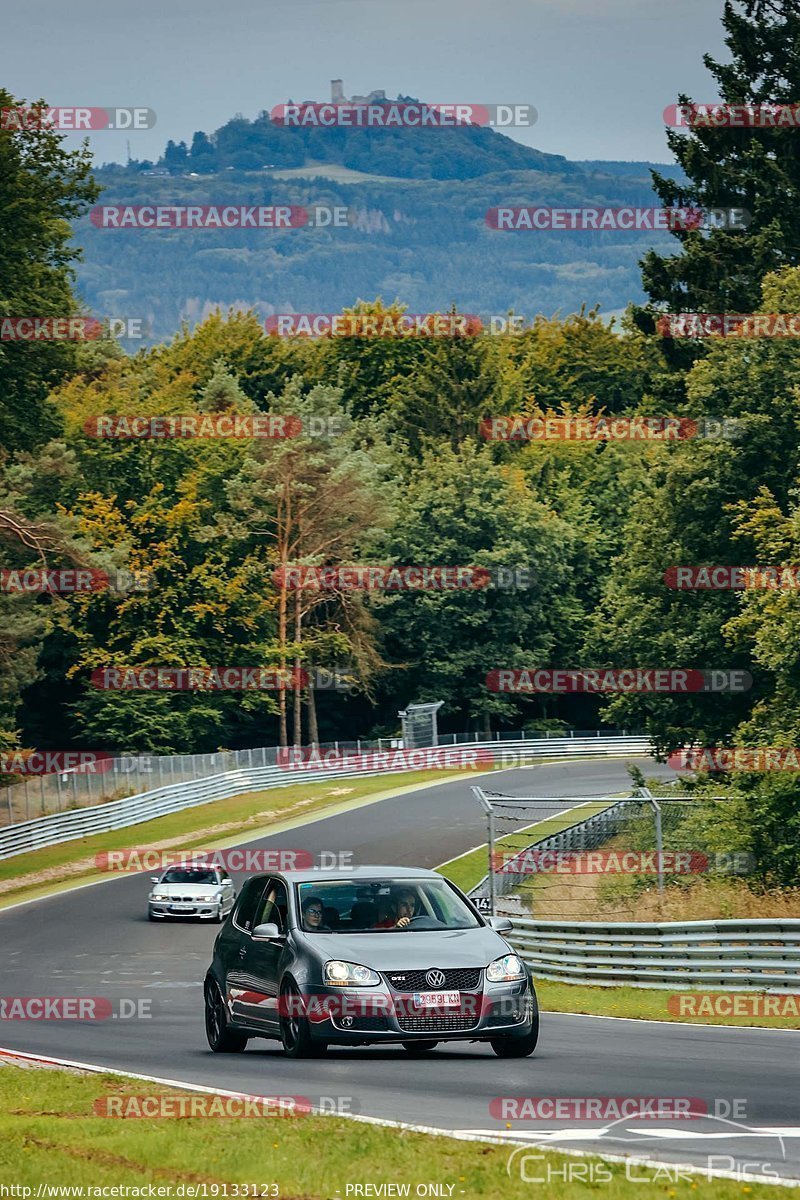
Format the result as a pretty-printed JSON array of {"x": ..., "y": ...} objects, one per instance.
[{"x": 435, "y": 978}]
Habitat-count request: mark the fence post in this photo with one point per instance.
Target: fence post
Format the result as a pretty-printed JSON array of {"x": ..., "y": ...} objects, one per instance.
[
  {"x": 8, "y": 800},
  {"x": 659, "y": 849}
]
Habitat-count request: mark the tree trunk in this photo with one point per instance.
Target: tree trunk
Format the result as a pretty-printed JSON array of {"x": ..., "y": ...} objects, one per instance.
[
  {"x": 298, "y": 686},
  {"x": 313, "y": 727},
  {"x": 283, "y": 732}
]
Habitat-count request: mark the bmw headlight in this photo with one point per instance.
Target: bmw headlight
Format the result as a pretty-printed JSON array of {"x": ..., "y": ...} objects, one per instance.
[
  {"x": 159, "y": 896},
  {"x": 504, "y": 969},
  {"x": 347, "y": 974}
]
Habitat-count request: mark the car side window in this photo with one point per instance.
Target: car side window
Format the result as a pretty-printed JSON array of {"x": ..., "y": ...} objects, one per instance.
[
  {"x": 274, "y": 906},
  {"x": 248, "y": 903}
]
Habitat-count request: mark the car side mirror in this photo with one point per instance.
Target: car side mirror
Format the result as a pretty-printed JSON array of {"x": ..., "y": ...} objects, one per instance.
[
  {"x": 268, "y": 930},
  {"x": 154, "y": 878},
  {"x": 499, "y": 924}
]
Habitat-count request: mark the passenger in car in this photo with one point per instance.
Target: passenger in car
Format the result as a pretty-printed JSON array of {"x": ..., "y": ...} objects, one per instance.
[{"x": 312, "y": 914}]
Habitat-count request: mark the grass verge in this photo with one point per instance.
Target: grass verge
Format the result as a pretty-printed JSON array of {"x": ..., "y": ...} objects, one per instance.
[
  {"x": 50, "y": 1134},
  {"x": 219, "y": 824},
  {"x": 651, "y": 1004}
]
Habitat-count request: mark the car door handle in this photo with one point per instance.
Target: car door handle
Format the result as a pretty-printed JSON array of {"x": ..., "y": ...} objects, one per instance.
[{"x": 242, "y": 951}]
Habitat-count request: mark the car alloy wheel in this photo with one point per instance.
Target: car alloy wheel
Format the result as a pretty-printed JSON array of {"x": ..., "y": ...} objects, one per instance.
[
  {"x": 295, "y": 1031},
  {"x": 221, "y": 1038}
]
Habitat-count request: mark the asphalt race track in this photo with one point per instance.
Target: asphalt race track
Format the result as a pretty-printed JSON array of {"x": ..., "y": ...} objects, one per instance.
[{"x": 97, "y": 941}]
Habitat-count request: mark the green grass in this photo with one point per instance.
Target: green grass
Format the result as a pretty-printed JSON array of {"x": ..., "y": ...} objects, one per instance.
[
  {"x": 49, "y": 1134},
  {"x": 250, "y": 814},
  {"x": 469, "y": 869},
  {"x": 644, "y": 1003}
]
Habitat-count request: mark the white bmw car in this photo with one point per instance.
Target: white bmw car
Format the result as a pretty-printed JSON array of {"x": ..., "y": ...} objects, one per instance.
[{"x": 205, "y": 892}]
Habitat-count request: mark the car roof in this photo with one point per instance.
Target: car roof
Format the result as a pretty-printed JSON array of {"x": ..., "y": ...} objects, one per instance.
[{"x": 355, "y": 873}]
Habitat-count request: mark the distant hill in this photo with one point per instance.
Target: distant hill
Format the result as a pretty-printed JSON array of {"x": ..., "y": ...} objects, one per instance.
[
  {"x": 417, "y": 199},
  {"x": 457, "y": 153}
]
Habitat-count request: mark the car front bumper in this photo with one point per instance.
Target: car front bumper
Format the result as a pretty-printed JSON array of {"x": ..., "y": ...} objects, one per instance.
[
  {"x": 162, "y": 910},
  {"x": 358, "y": 1015}
]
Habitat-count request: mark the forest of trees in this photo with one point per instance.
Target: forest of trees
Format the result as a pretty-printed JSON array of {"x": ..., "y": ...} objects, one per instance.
[{"x": 408, "y": 478}]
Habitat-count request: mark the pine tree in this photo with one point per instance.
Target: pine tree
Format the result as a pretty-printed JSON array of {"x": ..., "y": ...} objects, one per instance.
[{"x": 757, "y": 169}]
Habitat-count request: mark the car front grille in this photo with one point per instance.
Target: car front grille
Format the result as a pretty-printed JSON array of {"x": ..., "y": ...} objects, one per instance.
[
  {"x": 454, "y": 1022},
  {"x": 457, "y": 979}
]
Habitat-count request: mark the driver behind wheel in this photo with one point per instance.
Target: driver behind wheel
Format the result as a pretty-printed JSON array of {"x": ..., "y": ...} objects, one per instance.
[{"x": 404, "y": 908}]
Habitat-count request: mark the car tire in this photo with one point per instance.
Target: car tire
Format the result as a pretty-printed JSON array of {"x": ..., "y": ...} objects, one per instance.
[
  {"x": 221, "y": 1038},
  {"x": 520, "y": 1047},
  {"x": 417, "y": 1049},
  {"x": 295, "y": 1030}
]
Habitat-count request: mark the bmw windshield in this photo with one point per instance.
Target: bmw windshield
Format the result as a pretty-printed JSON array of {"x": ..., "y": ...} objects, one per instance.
[{"x": 382, "y": 905}]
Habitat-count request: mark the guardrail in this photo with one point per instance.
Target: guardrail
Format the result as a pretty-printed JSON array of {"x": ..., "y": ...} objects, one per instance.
[
  {"x": 128, "y": 774},
  {"x": 132, "y": 810},
  {"x": 744, "y": 955}
]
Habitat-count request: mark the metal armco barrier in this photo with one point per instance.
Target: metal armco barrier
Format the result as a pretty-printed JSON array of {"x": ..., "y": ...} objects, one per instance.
[
  {"x": 132, "y": 810},
  {"x": 746, "y": 955}
]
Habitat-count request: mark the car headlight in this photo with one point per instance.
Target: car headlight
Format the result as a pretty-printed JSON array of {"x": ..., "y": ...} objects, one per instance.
[
  {"x": 159, "y": 896},
  {"x": 504, "y": 969},
  {"x": 347, "y": 974}
]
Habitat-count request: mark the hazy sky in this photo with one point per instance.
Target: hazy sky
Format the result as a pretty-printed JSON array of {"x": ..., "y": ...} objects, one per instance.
[{"x": 600, "y": 72}]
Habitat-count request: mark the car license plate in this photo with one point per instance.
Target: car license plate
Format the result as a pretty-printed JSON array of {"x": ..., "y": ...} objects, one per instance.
[
  {"x": 182, "y": 908},
  {"x": 437, "y": 999}
]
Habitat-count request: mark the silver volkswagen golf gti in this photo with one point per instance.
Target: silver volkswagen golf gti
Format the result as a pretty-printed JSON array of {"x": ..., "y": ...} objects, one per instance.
[{"x": 381, "y": 954}]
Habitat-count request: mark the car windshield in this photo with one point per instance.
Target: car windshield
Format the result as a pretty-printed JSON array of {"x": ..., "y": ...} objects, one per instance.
[
  {"x": 190, "y": 875},
  {"x": 382, "y": 906}
]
